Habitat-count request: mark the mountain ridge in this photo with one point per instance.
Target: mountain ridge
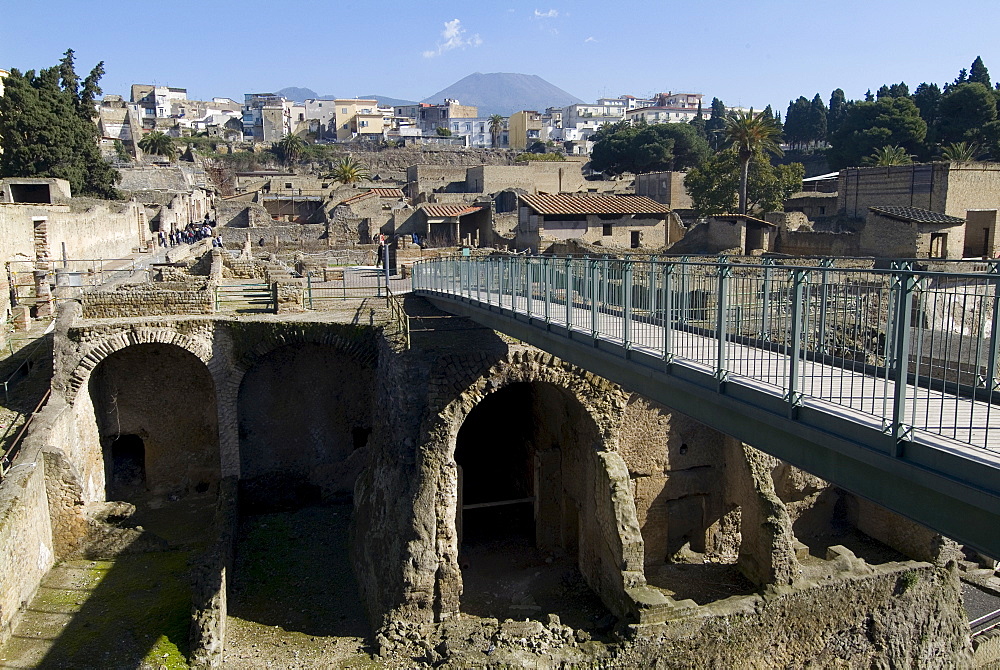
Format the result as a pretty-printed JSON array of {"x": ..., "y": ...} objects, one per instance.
[{"x": 504, "y": 93}]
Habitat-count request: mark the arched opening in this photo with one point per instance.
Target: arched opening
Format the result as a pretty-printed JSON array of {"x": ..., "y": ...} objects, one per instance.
[
  {"x": 525, "y": 458},
  {"x": 305, "y": 416},
  {"x": 305, "y": 413},
  {"x": 157, "y": 424}
]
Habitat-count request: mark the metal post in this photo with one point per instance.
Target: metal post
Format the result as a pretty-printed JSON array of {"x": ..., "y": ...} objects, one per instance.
[
  {"x": 898, "y": 366},
  {"x": 547, "y": 273},
  {"x": 765, "y": 305},
  {"x": 721, "y": 321},
  {"x": 991, "y": 363},
  {"x": 569, "y": 294},
  {"x": 528, "y": 286},
  {"x": 627, "y": 305},
  {"x": 824, "y": 293},
  {"x": 385, "y": 264},
  {"x": 309, "y": 288},
  {"x": 592, "y": 268},
  {"x": 794, "y": 396},
  {"x": 668, "y": 317}
]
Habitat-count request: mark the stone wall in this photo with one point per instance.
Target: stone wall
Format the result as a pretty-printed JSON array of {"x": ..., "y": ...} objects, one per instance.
[
  {"x": 148, "y": 300},
  {"x": 948, "y": 188},
  {"x": 531, "y": 177},
  {"x": 817, "y": 243},
  {"x": 25, "y": 535},
  {"x": 88, "y": 229}
]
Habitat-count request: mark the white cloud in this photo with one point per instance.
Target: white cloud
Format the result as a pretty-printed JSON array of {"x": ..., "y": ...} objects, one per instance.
[
  {"x": 551, "y": 14},
  {"x": 590, "y": 39},
  {"x": 454, "y": 38}
]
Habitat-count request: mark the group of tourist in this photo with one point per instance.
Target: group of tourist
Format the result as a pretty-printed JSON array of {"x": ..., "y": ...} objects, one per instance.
[{"x": 192, "y": 233}]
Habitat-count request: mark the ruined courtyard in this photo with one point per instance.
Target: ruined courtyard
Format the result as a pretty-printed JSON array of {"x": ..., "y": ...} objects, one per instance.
[{"x": 335, "y": 486}]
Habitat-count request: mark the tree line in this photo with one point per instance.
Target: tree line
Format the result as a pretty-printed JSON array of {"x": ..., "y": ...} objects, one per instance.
[{"x": 957, "y": 121}]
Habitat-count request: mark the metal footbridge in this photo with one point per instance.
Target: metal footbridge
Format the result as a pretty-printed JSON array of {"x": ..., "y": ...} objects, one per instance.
[{"x": 883, "y": 382}]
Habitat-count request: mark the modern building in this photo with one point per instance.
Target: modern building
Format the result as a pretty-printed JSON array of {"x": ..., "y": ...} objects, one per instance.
[
  {"x": 525, "y": 128},
  {"x": 359, "y": 118},
  {"x": 620, "y": 221}
]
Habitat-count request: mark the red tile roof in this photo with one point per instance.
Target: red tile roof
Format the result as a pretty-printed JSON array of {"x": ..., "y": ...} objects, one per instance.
[
  {"x": 442, "y": 211},
  {"x": 388, "y": 192},
  {"x": 603, "y": 204},
  {"x": 379, "y": 192}
]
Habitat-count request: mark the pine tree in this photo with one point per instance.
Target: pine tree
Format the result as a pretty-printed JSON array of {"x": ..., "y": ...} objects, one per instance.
[
  {"x": 47, "y": 128},
  {"x": 900, "y": 90},
  {"x": 868, "y": 96},
  {"x": 979, "y": 74}
]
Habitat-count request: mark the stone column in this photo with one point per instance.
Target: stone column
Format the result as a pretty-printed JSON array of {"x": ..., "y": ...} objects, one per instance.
[
  {"x": 43, "y": 264},
  {"x": 767, "y": 551}
]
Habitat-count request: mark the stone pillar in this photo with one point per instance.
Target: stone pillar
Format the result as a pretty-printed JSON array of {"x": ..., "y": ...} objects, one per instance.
[
  {"x": 767, "y": 545},
  {"x": 43, "y": 264}
]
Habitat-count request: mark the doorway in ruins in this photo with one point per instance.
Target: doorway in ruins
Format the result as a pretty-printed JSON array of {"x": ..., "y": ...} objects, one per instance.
[
  {"x": 305, "y": 415},
  {"x": 522, "y": 459},
  {"x": 154, "y": 406}
]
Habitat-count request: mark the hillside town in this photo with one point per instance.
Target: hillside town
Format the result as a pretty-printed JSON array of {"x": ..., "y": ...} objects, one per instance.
[{"x": 252, "y": 418}]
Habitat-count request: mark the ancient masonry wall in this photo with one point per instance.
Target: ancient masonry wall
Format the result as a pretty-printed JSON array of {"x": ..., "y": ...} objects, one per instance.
[
  {"x": 147, "y": 301},
  {"x": 89, "y": 230}
]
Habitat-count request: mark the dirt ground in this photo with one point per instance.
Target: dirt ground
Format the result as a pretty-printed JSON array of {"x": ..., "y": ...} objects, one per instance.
[{"x": 294, "y": 602}]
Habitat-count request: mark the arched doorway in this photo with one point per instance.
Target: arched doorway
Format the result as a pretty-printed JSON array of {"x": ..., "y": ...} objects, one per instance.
[
  {"x": 157, "y": 424},
  {"x": 526, "y": 474},
  {"x": 305, "y": 416}
]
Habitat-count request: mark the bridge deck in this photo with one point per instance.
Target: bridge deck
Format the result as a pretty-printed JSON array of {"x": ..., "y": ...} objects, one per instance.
[{"x": 936, "y": 416}]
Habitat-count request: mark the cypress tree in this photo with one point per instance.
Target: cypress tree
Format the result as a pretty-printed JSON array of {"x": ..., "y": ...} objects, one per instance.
[
  {"x": 716, "y": 124},
  {"x": 979, "y": 74},
  {"x": 816, "y": 125},
  {"x": 838, "y": 109}
]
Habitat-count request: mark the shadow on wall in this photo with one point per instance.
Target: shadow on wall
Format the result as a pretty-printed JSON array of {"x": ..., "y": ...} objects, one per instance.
[{"x": 305, "y": 414}]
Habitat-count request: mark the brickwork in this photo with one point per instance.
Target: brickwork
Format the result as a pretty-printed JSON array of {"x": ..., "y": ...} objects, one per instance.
[{"x": 148, "y": 300}]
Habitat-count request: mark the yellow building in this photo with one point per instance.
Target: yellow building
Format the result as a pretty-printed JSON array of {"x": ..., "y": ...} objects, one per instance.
[
  {"x": 357, "y": 117},
  {"x": 524, "y": 129}
]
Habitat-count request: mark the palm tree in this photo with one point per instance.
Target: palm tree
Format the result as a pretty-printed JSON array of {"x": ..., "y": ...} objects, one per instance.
[
  {"x": 750, "y": 134},
  {"x": 348, "y": 171},
  {"x": 290, "y": 148},
  {"x": 960, "y": 151},
  {"x": 158, "y": 143},
  {"x": 891, "y": 154},
  {"x": 496, "y": 127}
]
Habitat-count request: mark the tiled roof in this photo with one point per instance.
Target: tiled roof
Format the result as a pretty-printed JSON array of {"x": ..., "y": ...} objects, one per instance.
[
  {"x": 441, "y": 211},
  {"x": 379, "y": 192},
  {"x": 388, "y": 192},
  {"x": 357, "y": 198},
  {"x": 733, "y": 217},
  {"x": 582, "y": 204},
  {"x": 916, "y": 215}
]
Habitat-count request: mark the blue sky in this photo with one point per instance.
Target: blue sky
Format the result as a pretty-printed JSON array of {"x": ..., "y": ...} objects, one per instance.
[{"x": 749, "y": 53}]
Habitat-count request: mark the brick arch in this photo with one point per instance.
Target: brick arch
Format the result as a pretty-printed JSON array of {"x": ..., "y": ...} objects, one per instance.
[
  {"x": 601, "y": 400},
  {"x": 85, "y": 366}
]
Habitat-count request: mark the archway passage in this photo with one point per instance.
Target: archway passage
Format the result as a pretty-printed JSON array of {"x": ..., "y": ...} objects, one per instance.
[
  {"x": 522, "y": 457},
  {"x": 306, "y": 413},
  {"x": 157, "y": 421},
  {"x": 496, "y": 456}
]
